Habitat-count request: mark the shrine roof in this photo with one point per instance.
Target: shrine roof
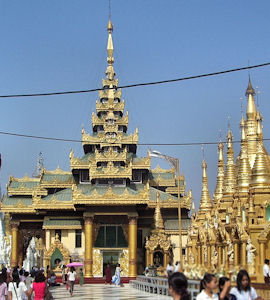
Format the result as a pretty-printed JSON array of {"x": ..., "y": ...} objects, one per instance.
[
  {"x": 163, "y": 175},
  {"x": 14, "y": 184},
  {"x": 64, "y": 195},
  {"x": 162, "y": 195},
  {"x": 174, "y": 224},
  {"x": 12, "y": 201},
  {"x": 61, "y": 178},
  {"x": 88, "y": 189},
  {"x": 62, "y": 223}
]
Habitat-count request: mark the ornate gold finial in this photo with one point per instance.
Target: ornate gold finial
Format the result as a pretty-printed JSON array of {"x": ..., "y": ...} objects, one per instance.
[
  {"x": 259, "y": 130},
  {"x": 244, "y": 170},
  {"x": 250, "y": 90},
  {"x": 206, "y": 202},
  {"x": 158, "y": 217},
  {"x": 251, "y": 108},
  {"x": 110, "y": 59},
  {"x": 230, "y": 175},
  {"x": 220, "y": 175}
]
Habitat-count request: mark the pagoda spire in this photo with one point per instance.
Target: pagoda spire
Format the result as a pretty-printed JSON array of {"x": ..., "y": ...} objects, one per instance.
[
  {"x": 261, "y": 168},
  {"x": 110, "y": 59},
  {"x": 159, "y": 225},
  {"x": 251, "y": 107},
  {"x": 220, "y": 175},
  {"x": 230, "y": 175},
  {"x": 244, "y": 170},
  {"x": 206, "y": 202}
]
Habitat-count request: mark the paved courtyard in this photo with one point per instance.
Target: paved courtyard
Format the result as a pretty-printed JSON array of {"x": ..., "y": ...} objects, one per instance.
[{"x": 101, "y": 291}]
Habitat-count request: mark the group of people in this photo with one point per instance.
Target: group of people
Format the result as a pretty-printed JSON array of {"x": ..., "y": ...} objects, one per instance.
[
  {"x": 22, "y": 285},
  {"x": 178, "y": 287},
  {"x": 116, "y": 278},
  {"x": 69, "y": 276}
]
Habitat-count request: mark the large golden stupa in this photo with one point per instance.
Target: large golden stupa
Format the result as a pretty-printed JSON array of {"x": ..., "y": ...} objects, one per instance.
[
  {"x": 111, "y": 207},
  {"x": 232, "y": 230}
]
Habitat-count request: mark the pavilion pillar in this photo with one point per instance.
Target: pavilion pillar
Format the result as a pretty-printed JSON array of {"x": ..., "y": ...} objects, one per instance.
[
  {"x": 88, "y": 252},
  {"x": 132, "y": 245},
  {"x": 199, "y": 255},
  {"x": 244, "y": 254},
  {"x": 209, "y": 257},
  {"x": 14, "y": 248},
  {"x": 236, "y": 253},
  {"x": 220, "y": 255},
  {"x": 226, "y": 258},
  {"x": 261, "y": 256},
  {"x": 151, "y": 258}
]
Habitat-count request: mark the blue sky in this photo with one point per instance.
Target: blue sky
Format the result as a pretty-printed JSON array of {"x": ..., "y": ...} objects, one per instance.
[{"x": 61, "y": 45}]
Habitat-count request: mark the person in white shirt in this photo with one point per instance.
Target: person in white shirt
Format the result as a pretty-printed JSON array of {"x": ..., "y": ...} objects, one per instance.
[
  {"x": 169, "y": 269},
  {"x": 244, "y": 291},
  {"x": 17, "y": 288},
  {"x": 71, "y": 279},
  {"x": 177, "y": 267},
  {"x": 266, "y": 271},
  {"x": 208, "y": 285}
]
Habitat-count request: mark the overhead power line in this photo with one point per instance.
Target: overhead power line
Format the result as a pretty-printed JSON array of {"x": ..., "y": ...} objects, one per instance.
[
  {"x": 140, "y": 144},
  {"x": 138, "y": 84}
]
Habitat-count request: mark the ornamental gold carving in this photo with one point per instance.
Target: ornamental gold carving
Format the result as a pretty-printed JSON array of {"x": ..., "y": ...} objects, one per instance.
[
  {"x": 124, "y": 262},
  {"x": 97, "y": 263}
]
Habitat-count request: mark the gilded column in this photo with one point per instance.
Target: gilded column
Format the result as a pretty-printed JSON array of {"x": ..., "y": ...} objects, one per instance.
[
  {"x": 132, "y": 245},
  {"x": 199, "y": 255},
  {"x": 226, "y": 258},
  {"x": 244, "y": 254},
  {"x": 209, "y": 257},
  {"x": 88, "y": 252},
  {"x": 262, "y": 253},
  {"x": 220, "y": 255},
  {"x": 151, "y": 258},
  {"x": 236, "y": 253},
  {"x": 14, "y": 247}
]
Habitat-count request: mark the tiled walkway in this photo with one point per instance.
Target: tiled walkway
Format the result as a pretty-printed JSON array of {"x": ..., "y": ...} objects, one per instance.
[{"x": 101, "y": 291}]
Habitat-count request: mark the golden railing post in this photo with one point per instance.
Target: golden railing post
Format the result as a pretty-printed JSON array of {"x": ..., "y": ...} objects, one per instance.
[
  {"x": 14, "y": 248},
  {"x": 88, "y": 254},
  {"x": 132, "y": 245}
]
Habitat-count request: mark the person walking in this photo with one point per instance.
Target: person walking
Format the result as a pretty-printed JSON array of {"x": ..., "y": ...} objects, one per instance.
[
  {"x": 108, "y": 274},
  {"x": 178, "y": 286},
  {"x": 3, "y": 288},
  {"x": 71, "y": 279},
  {"x": 266, "y": 271},
  {"x": 16, "y": 288},
  {"x": 81, "y": 275},
  {"x": 207, "y": 287},
  {"x": 117, "y": 276},
  {"x": 243, "y": 290},
  {"x": 39, "y": 286}
]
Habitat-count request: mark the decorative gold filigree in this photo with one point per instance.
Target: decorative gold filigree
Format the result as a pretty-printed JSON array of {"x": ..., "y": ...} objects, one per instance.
[
  {"x": 124, "y": 262},
  {"x": 97, "y": 263}
]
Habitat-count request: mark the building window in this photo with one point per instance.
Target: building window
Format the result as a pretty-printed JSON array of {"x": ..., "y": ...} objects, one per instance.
[
  {"x": 78, "y": 238},
  {"x": 84, "y": 176},
  {"x": 111, "y": 236},
  {"x": 136, "y": 176},
  {"x": 59, "y": 232}
]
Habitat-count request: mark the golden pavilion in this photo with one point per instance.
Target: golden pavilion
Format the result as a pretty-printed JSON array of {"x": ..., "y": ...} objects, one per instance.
[
  {"x": 111, "y": 207},
  {"x": 232, "y": 230}
]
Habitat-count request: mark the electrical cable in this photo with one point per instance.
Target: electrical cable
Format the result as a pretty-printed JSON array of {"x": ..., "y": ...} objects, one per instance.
[
  {"x": 139, "y": 144},
  {"x": 138, "y": 84}
]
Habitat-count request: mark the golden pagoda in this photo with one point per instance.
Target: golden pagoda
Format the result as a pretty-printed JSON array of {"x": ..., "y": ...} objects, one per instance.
[
  {"x": 235, "y": 232},
  {"x": 102, "y": 210}
]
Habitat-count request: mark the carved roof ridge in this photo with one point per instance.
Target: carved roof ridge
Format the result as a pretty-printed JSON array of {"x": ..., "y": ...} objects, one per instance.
[
  {"x": 158, "y": 169},
  {"x": 57, "y": 171}
]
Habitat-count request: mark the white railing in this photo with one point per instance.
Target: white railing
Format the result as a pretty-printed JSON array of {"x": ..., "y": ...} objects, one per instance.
[{"x": 159, "y": 285}]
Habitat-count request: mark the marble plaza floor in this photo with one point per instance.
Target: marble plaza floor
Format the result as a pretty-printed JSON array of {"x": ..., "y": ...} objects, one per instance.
[{"x": 101, "y": 291}]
